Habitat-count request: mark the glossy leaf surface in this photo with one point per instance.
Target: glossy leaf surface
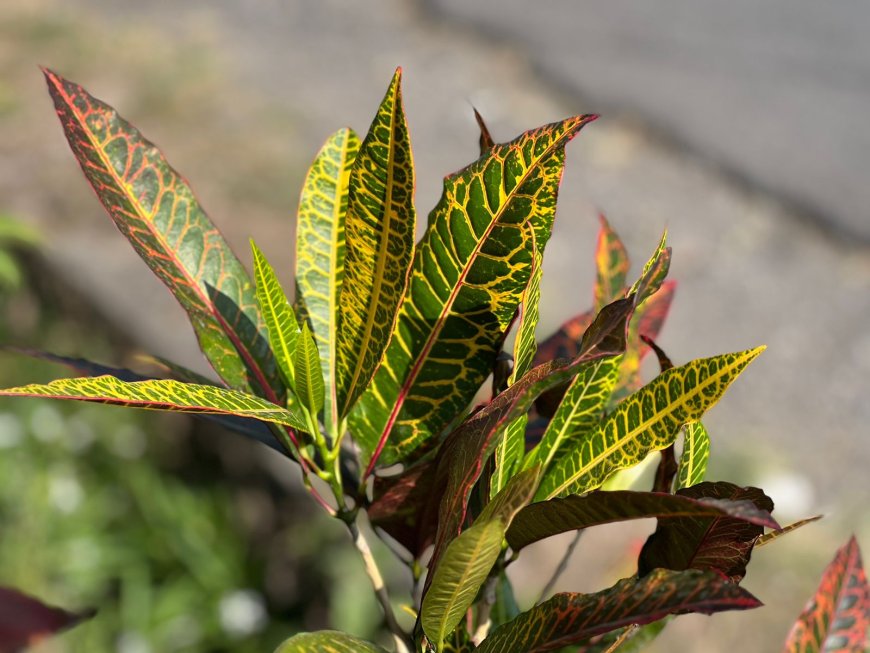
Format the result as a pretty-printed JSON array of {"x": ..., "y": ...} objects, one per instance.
[
  {"x": 24, "y": 620},
  {"x": 308, "y": 375},
  {"x": 161, "y": 394},
  {"x": 696, "y": 453},
  {"x": 327, "y": 641},
  {"x": 547, "y": 518},
  {"x": 838, "y": 615},
  {"x": 722, "y": 543},
  {"x": 468, "y": 275},
  {"x": 156, "y": 210},
  {"x": 320, "y": 249},
  {"x": 379, "y": 244},
  {"x": 611, "y": 264},
  {"x": 648, "y": 420},
  {"x": 569, "y": 618}
]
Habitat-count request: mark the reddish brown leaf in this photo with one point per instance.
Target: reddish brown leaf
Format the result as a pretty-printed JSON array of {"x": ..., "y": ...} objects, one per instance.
[
  {"x": 838, "y": 615},
  {"x": 402, "y": 507},
  {"x": 24, "y": 620},
  {"x": 722, "y": 544}
]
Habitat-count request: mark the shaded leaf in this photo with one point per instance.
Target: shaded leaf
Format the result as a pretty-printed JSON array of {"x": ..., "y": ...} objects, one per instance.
[
  {"x": 611, "y": 264},
  {"x": 401, "y": 506},
  {"x": 161, "y": 394},
  {"x": 569, "y": 618},
  {"x": 723, "y": 544},
  {"x": 565, "y": 343},
  {"x": 308, "y": 375},
  {"x": 468, "y": 275},
  {"x": 648, "y": 420},
  {"x": 504, "y": 607},
  {"x": 464, "y": 566},
  {"x": 320, "y": 250},
  {"x": 547, "y": 518},
  {"x": 277, "y": 313},
  {"x": 838, "y": 615},
  {"x": 379, "y": 244},
  {"x": 327, "y": 641},
  {"x": 767, "y": 538},
  {"x": 24, "y": 620},
  {"x": 696, "y": 453},
  {"x": 156, "y": 210}
]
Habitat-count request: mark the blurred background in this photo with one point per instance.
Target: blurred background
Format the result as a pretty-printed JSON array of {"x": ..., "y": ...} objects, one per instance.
[{"x": 738, "y": 126}]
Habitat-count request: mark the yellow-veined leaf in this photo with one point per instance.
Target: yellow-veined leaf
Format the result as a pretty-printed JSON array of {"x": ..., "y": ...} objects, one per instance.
[
  {"x": 767, "y": 538},
  {"x": 648, "y": 420},
  {"x": 308, "y": 375},
  {"x": 696, "y": 453},
  {"x": 611, "y": 264},
  {"x": 279, "y": 316},
  {"x": 320, "y": 250},
  {"x": 379, "y": 245},
  {"x": 153, "y": 206},
  {"x": 468, "y": 275},
  {"x": 161, "y": 394},
  {"x": 327, "y": 641}
]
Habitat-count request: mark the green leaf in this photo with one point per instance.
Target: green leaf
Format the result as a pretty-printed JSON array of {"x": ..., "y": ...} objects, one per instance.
[
  {"x": 320, "y": 250},
  {"x": 156, "y": 210},
  {"x": 696, "y": 453},
  {"x": 654, "y": 272},
  {"x": 611, "y": 263},
  {"x": 514, "y": 497},
  {"x": 579, "y": 412},
  {"x": 548, "y": 518},
  {"x": 327, "y": 641},
  {"x": 279, "y": 316},
  {"x": 570, "y": 618},
  {"x": 161, "y": 394},
  {"x": 308, "y": 375},
  {"x": 837, "y": 616},
  {"x": 648, "y": 420},
  {"x": 767, "y": 538},
  {"x": 379, "y": 233},
  {"x": 468, "y": 276},
  {"x": 464, "y": 566}
]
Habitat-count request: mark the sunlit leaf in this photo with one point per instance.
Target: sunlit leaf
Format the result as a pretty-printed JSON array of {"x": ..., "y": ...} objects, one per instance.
[
  {"x": 722, "y": 543},
  {"x": 468, "y": 275},
  {"x": 648, "y": 420},
  {"x": 767, "y": 538},
  {"x": 327, "y": 641},
  {"x": 696, "y": 453},
  {"x": 308, "y": 375},
  {"x": 156, "y": 210},
  {"x": 611, "y": 264},
  {"x": 569, "y": 618},
  {"x": 547, "y": 518},
  {"x": 838, "y": 615},
  {"x": 379, "y": 244},
  {"x": 24, "y": 620}
]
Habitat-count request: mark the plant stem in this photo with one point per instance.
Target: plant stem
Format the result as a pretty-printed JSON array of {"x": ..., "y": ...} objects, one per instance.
[
  {"x": 560, "y": 569},
  {"x": 374, "y": 574},
  {"x": 627, "y": 634}
]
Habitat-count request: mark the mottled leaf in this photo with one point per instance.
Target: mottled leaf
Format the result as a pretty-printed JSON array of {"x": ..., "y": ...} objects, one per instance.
[
  {"x": 327, "y": 641},
  {"x": 569, "y": 618},
  {"x": 308, "y": 375},
  {"x": 320, "y": 250},
  {"x": 547, "y": 518},
  {"x": 24, "y": 620},
  {"x": 156, "y": 210},
  {"x": 767, "y": 538},
  {"x": 838, "y": 615},
  {"x": 696, "y": 453},
  {"x": 468, "y": 275},
  {"x": 611, "y": 265},
  {"x": 379, "y": 244},
  {"x": 723, "y": 544},
  {"x": 648, "y": 420}
]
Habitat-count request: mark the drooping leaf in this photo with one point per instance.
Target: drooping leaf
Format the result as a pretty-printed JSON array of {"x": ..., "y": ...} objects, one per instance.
[
  {"x": 24, "y": 620},
  {"x": 486, "y": 142},
  {"x": 767, "y": 538},
  {"x": 547, "y": 518},
  {"x": 379, "y": 244},
  {"x": 320, "y": 250},
  {"x": 280, "y": 321},
  {"x": 327, "y": 641},
  {"x": 156, "y": 210},
  {"x": 467, "y": 278},
  {"x": 838, "y": 615},
  {"x": 570, "y": 618},
  {"x": 510, "y": 451},
  {"x": 696, "y": 453},
  {"x": 611, "y": 264},
  {"x": 308, "y": 375},
  {"x": 161, "y": 394},
  {"x": 648, "y": 420},
  {"x": 466, "y": 450},
  {"x": 466, "y": 563},
  {"x": 722, "y": 543}
]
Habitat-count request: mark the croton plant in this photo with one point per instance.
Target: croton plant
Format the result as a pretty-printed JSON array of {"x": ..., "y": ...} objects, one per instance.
[{"x": 389, "y": 380}]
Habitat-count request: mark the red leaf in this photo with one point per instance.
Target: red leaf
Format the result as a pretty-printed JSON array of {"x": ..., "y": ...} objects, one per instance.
[{"x": 25, "y": 620}]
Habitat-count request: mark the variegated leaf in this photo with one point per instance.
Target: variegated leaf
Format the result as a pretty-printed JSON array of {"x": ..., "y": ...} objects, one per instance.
[
  {"x": 767, "y": 538},
  {"x": 379, "y": 245},
  {"x": 308, "y": 375},
  {"x": 327, "y": 641},
  {"x": 320, "y": 250},
  {"x": 696, "y": 453},
  {"x": 648, "y": 420},
  {"x": 611, "y": 263}
]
